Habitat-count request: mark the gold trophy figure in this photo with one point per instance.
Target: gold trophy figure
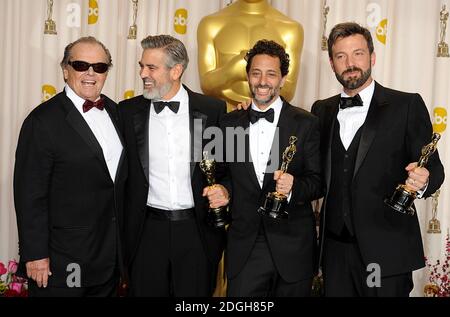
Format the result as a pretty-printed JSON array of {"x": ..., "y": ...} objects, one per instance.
[
  {"x": 434, "y": 226},
  {"x": 132, "y": 32},
  {"x": 50, "y": 25},
  {"x": 276, "y": 203},
  {"x": 217, "y": 217},
  {"x": 442, "y": 46},
  {"x": 403, "y": 198},
  {"x": 326, "y": 9}
]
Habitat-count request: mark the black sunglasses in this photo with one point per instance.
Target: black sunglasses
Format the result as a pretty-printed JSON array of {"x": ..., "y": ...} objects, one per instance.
[{"x": 81, "y": 66}]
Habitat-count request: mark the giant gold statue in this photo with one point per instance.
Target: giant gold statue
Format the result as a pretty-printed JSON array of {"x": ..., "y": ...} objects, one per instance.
[{"x": 225, "y": 37}]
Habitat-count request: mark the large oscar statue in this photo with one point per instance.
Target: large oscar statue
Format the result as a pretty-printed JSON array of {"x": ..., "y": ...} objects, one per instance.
[
  {"x": 276, "y": 203},
  {"x": 225, "y": 37},
  {"x": 403, "y": 198},
  {"x": 217, "y": 217}
]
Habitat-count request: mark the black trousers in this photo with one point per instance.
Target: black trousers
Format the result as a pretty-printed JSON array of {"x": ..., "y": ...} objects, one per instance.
[
  {"x": 260, "y": 278},
  {"x": 170, "y": 261},
  {"x": 346, "y": 275},
  {"x": 107, "y": 289}
]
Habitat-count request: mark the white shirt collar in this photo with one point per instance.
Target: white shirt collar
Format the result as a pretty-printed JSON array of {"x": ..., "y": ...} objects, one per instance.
[
  {"x": 77, "y": 100},
  {"x": 182, "y": 97},
  {"x": 366, "y": 95},
  {"x": 276, "y": 106}
]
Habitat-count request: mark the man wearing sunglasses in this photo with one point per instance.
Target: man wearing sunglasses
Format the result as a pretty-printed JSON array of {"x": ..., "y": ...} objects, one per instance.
[
  {"x": 172, "y": 250},
  {"x": 68, "y": 183}
]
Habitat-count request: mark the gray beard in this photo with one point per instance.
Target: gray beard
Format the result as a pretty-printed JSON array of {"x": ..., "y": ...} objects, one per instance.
[{"x": 157, "y": 93}]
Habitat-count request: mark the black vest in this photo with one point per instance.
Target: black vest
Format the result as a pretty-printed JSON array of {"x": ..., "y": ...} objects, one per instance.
[{"x": 339, "y": 204}]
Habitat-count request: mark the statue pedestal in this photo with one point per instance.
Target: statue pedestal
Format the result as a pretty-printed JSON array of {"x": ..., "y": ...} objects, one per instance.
[{"x": 443, "y": 50}]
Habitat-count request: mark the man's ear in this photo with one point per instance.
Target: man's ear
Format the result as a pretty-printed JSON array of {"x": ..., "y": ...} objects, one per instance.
[
  {"x": 283, "y": 81},
  {"x": 332, "y": 64},
  {"x": 373, "y": 59},
  {"x": 65, "y": 73},
  {"x": 176, "y": 72}
]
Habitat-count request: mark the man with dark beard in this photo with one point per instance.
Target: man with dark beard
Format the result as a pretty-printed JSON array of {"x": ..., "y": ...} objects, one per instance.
[
  {"x": 171, "y": 249},
  {"x": 266, "y": 256},
  {"x": 371, "y": 139}
]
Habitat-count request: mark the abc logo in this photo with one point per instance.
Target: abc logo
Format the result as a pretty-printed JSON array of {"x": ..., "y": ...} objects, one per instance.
[
  {"x": 440, "y": 119},
  {"x": 381, "y": 31},
  {"x": 93, "y": 12},
  {"x": 180, "y": 21},
  {"x": 128, "y": 94},
  {"x": 48, "y": 91}
]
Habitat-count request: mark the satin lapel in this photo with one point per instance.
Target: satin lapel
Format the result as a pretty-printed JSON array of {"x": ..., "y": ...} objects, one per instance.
[
  {"x": 286, "y": 127},
  {"x": 197, "y": 124},
  {"x": 330, "y": 119},
  {"x": 196, "y": 131},
  {"x": 371, "y": 125},
  {"x": 76, "y": 120},
  {"x": 113, "y": 114},
  {"x": 141, "y": 122},
  {"x": 243, "y": 122}
]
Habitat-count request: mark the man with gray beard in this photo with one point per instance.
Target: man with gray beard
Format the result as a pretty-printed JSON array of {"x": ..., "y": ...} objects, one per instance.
[
  {"x": 371, "y": 139},
  {"x": 171, "y": 251}
]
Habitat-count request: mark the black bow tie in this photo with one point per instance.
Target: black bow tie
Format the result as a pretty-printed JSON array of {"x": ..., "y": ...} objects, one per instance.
[
  {"x": 173, "y": 105},
  {"x": 99, "y": 104},
  {"x": 348, "y": 102},
  {"x": 254, "y": 115}
]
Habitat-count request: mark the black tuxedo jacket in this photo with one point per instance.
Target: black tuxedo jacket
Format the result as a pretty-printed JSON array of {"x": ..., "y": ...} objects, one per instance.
[
  {"x": 292, "y": 241},
  {"x": 135, "y": 114},
  {"x": 68, "y": 207},
  {"x": 397, "y": 126}
]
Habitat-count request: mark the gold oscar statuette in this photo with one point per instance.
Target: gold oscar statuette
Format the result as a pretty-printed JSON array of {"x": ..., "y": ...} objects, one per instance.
[
  {"x": 403, "y": 198},
  {"x": 326, "y": 9},
  {"x": 434, "y": 225},
  {"x": 50, "y": 25},
  {"x": 276, "y": 203},
  {"x": 132, "y": 31},
  {"x": 217, "y": 217},
  {"x": 442, "y": 46}
]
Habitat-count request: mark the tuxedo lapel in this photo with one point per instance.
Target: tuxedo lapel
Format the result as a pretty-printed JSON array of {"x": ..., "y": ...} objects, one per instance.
[
  {"x": 330, "y": 121},
  {"x": 197, "y": 124},
  {"x": 76, "y": 121},
  {"x": 243, "y": 122},
  {"x": 286, "y": 127},
  {"x": 114, "y": 115},
  {"x": 141, "y": 125},
  {"x": 370, "y": 126}
]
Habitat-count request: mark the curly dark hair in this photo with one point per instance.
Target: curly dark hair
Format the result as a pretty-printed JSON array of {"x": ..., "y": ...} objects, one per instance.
[{"x": 270, "y": 48}]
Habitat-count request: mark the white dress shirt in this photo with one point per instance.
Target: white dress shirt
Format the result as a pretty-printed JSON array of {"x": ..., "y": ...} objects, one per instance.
[
  {"x": 169, "y": 156},
  {"x": 351, "y": 119},
  {"x": 261, "y": 135},
  {"x": 103, "y": 129}
]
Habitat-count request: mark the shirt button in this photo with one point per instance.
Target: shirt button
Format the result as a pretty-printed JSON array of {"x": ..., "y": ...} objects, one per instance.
[
  {"x": 345, "y": 214},
  {"x": 113, "y": 219},
  {"x": 345, "y": 170},
  {"x": 346, "y": 155}
]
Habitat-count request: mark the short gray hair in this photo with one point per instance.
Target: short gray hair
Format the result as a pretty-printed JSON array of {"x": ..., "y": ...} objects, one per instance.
[
  {"x": 86, "y": 39},
  {"x": 175, "y": 50}
]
